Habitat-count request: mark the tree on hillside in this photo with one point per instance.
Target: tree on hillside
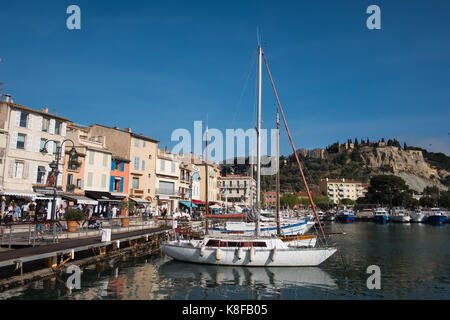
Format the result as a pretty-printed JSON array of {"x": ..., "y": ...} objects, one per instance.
[
  {"x": 382, "y": 139},
  {"x": 356, "y": 142},
  {"x": 388, "y": 190},
  {"x": 289, "y": 199},
  {"x": 404, "y": 146}
]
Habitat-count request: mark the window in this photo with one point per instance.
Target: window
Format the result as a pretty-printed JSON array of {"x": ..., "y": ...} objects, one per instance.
[
  {"x": 135, "y": 183},
  {"x": 117, "y": 185},
  {"x": 149, "y": 175},
  {"x": 90, "y": 177},
  {"x": 173, "y": 167},
  {"x": 69, "y": 179},
  {"x": 18, "y": 170},
  {"x": 20, "y": 141},
  {"x": 58, "y": 127},
  {"x": 117, "y": 165},
  {"x": 143, "y": 165},
  {"x": 23, "y": 119},
  {"x": 41, "y": 146},
  {"x": 72, "y": 162},
  {"x": 163, "y": 165},
  {"x": 231, "y": 183},
  {"x": 45, "y": 124},
  {"x": 103, "y": 180},
  {"x": 136, "y": 143},
  {"x": 150, "y": 156},
  {"x": 78, "y": 183},
  {"x": 136, "y": 163},
  {"x": 40, "y": 175}
]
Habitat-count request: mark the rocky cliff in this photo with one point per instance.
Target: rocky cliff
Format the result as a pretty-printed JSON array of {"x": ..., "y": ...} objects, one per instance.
[{"x": 408, "y": 164}]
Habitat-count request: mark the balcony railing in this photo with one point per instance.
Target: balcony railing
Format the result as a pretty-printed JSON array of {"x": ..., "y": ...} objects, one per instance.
[{"x": 169, "y": 192}]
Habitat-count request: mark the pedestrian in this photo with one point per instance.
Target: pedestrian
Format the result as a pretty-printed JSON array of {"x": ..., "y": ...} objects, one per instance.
[
  {"x": 114, "y": 211},
  {"x": 109, "y": 212},
  {"x": 32, "y": 210},
  {"x": 17, "y": 212},
  {"x": 26, "y": 210}
]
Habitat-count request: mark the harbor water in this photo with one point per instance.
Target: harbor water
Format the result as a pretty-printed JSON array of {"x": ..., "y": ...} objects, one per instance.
[{"x": 414, "y": 260}]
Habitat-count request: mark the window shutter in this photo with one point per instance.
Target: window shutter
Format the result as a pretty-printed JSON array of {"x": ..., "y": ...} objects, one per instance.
[
  {"x": 82, "y": 184},
  {"x": 59, "y": 180},
  {"x": 37, "y": 144},
  {"x": 39, "y": 123},
  {"x": 29, "y": 142},
  {"x": 63, "y": 129},
  {"x": 113, "y": 164},
  {"x": 14, "y": 140},
  {"x": 50, "y": 147},
  {"x": 52, "y": 126},
  {"x": 30, "y": 121},
  {"x": 121, "y": 184},
  {"x": 35, "y": 172},
  {"x": 18, "y": 118},
  {"x": 11, "y": 169},
  {"x": 111, "y": 184},
  {"x": 122, "y": 167}
]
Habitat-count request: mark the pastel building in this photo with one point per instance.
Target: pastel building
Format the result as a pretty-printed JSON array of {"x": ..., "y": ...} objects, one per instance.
[
  {"x": 167, "y": 180},
  {"x": 120, "y": 168},
  {"x": 141, "y": 152},
  {"x": 25, "y": 170}
]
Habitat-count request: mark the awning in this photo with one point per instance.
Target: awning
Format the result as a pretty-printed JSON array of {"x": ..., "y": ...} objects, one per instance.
[
  {"x": 16, "y": 193},
  {"x": 138, "y": 200},
  {"x": 79, "y": 199},
  {"x": 198, "y": 202},
  {"x": 101, "y": 196},
  {"x": 188, "y": 204}
]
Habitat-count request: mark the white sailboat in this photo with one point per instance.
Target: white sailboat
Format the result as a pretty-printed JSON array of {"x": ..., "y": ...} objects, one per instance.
[{"x": 257, "y": 250}]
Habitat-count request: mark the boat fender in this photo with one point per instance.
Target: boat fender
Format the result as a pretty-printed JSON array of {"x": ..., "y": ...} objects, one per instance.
[
  {"x": 240, "y": 253},
  {"x": 252, "y": 254},
  {"x": 274, "y": 253},
  {"x": 202, "y": 251},
  {"x": 218, "y": 254}
]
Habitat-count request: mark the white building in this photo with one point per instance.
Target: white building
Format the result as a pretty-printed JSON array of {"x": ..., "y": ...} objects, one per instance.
[
  {"x": 25, "y": 131},
  {"x": 167, "y": 180}
]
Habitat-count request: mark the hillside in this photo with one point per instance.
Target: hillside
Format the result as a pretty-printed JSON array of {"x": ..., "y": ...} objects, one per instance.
[{"x": 416, "y": 166}]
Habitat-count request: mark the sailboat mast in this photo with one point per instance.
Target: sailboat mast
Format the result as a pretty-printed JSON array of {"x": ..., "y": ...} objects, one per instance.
[
  {"x": 207, "y": 178},
  {"x": 258, "y": 146},
  {"x": 278, "y": 175}
]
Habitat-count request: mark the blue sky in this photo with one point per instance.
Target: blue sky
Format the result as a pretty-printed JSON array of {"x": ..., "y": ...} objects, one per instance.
[{"x": 156, "y": 66}]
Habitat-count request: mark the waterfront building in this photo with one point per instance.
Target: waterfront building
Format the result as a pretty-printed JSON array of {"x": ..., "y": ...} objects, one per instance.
[
  {"x": 25, "y": 170},
  {"x": 168, "y": 180},
  {"x": 141, "y": 151},
  {"x": 120, "y": 170},
  {"x": 237, "y": 189},
  {"x": 270, "y": 199},
  {"x": 213, "y": 190},
  {"x": 338, "y": 189}
]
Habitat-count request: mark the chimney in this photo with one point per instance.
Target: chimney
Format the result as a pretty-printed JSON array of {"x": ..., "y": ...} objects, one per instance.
[
  {"x": 8, "y": 98},
  {"x": 45, "y": 110}
]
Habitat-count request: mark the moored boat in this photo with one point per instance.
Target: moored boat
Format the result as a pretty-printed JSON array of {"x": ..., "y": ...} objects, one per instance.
[
  {"x": 436, "y": 216},
  {"x": 246, "y": 251},
  {"x": 418, "y": 216},
  {"x": 400, "y": 216},
  {"x": 380, "y": 215},
  {"x": 345, "y": 216}
]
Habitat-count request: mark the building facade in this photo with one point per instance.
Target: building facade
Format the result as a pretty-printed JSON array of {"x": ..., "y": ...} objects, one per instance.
[
  {"x": 338, "y": 189},
  {"x": 25, "y": 131},
  {"x": 237, "y": 189},
  {"x": 168, "y": 180}
]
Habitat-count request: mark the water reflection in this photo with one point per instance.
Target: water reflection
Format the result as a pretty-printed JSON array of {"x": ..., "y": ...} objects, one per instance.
[{"x": 269, "y": 277}]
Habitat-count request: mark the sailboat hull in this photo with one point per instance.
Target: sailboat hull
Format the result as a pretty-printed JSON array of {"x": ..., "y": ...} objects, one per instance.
[{"x": 291, "y": 257}]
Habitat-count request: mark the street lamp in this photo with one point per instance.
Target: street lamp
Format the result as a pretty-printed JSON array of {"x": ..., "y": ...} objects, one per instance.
[{"x": 54, "y": 165}]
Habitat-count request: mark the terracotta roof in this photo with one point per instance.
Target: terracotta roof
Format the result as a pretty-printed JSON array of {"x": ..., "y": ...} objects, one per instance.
[{"x": 18, "y": 106}]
